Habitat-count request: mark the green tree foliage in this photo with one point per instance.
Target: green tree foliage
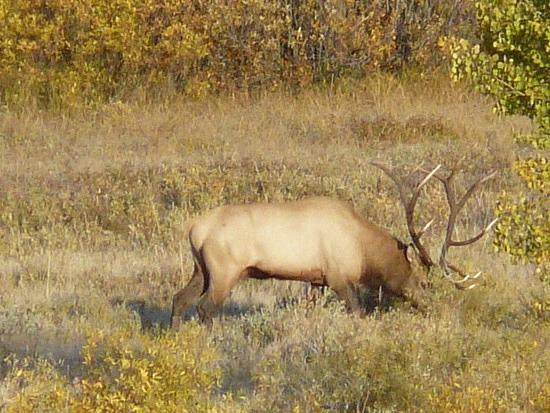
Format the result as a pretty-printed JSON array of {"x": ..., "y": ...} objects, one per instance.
[
  {"x": 68, "y": 52},
  {"x": 512, "y": 63}
]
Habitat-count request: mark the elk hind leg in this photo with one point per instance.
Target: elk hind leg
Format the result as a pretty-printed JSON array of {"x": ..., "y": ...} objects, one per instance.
[{"x": 187, "y": 296}]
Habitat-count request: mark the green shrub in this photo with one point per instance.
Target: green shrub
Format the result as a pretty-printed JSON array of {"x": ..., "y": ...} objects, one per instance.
[
  {"x": 123, "y": 371},
  {"x": 511, "y": 62}
]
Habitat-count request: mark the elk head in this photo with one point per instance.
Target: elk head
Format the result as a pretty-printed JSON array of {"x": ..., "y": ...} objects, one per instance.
[{"x": 464, "y": 281}]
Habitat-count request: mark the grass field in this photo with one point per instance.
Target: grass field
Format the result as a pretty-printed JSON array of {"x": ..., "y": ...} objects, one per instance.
[{"x": 92, "y": 248}]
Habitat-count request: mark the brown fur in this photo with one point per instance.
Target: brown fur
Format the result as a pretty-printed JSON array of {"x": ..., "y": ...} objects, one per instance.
[{"x": 318, "y": 240}]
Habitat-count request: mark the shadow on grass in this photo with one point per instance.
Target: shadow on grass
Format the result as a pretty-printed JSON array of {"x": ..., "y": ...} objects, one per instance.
[
  {"x": 231, "y": 309},
  {"x": 153, "y": 316}
]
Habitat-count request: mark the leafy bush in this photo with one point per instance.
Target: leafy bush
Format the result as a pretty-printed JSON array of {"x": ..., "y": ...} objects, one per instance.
[
  {"x": 511, "y": 62},
  {"x": 65, "y": 53},
  {"x": 122, "y": 371}
]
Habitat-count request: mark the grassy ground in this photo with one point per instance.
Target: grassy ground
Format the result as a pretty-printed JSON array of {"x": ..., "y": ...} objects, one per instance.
[{"x": 92, "y": 208}]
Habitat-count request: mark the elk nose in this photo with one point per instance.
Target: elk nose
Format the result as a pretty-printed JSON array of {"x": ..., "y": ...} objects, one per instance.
[{"x": 424, "y": 284}]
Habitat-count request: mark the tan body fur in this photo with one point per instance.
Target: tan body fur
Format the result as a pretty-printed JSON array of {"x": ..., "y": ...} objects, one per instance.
[{"x": 321, "y": 241}]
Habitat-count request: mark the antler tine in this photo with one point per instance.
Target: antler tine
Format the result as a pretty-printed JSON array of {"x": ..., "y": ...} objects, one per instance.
[
  {"x": 429, "y": 176},
  {"x": 475, "y": 238},
  {"x": 461, "y": 284},
  {"x": 426, "y": 227}
]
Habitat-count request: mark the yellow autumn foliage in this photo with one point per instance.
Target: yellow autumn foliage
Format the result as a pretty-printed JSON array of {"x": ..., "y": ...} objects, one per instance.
[{"x": 65, "y": 53}]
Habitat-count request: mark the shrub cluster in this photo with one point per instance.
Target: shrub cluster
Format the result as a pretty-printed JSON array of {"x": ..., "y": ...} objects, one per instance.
[
  {"x": 123, "y": 371},
  {"x": 64, "y": 53},
  {"x": 511, "y": 62}
]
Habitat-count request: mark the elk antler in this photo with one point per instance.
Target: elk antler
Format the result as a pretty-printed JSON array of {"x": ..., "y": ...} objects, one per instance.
[
  {"x": 455, "y": 205},
  {"x": 409, "y": 205}
]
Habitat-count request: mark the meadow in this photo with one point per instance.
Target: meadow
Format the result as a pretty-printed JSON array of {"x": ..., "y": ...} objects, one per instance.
[{"x": 93, "y": 206}]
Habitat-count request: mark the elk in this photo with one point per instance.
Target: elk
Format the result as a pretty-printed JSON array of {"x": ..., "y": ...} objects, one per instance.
[{"x": 321, "y": 241}]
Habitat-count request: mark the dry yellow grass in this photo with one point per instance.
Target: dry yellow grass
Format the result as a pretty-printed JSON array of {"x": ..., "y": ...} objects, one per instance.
[{"x": 91, "y": 215}]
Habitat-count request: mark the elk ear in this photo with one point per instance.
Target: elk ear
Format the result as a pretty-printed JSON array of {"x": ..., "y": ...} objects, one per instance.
[
  {"x": 410, "y": 253},
  {"x": 408, "y": 250}
]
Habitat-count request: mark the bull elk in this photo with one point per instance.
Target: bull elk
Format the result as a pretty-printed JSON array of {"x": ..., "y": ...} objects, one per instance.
[{"x": 321, "y": 241}]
